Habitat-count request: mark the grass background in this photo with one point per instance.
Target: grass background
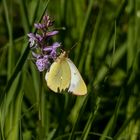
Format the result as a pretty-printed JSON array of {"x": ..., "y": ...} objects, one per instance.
[{"x": 107, "y": 54}]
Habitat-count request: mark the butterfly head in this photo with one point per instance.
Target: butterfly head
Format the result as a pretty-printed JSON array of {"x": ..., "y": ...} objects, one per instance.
[{"x": 63, "y": 55}]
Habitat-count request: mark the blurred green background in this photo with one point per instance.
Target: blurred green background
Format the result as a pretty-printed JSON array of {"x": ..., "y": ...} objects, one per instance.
[{"x": 106, "y": 34}]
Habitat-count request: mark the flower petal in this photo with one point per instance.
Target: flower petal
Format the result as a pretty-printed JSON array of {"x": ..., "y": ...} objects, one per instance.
[{"x": 52, "y": 33}]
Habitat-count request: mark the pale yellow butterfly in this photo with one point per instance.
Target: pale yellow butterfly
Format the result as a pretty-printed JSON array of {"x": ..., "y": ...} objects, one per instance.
[{"x": 63, "y": 75}]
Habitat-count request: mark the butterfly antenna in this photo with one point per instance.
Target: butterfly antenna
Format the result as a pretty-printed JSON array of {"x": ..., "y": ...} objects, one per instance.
[
  {"x": 76, "y": 44},
  {"x": 60, "y": 28}
]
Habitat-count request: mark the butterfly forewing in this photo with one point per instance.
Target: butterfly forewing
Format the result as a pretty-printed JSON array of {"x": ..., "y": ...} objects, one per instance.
[{"x": 59, "y": 75}]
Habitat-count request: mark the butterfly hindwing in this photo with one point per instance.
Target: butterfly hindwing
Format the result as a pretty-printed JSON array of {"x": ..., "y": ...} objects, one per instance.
[{"x": 77, "y": 84}]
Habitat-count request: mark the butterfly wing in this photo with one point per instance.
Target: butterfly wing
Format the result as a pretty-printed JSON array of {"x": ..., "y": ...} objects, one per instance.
[
  {"x": 59, "y": 75},
  {"x": 77, "y": 85}
]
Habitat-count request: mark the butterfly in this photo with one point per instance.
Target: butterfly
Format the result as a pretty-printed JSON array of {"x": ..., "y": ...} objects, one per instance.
[{"x": 63, "y": 75}]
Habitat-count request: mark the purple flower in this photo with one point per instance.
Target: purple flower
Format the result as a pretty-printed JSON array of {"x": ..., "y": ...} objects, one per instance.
[
  {"x": 37, "y": 56},
  {"x": 42, "y": 64},
  {"x": 47, "y": 21},
  {"x": 34, "y": 39},
  {"x": 52, "y": 33},
  {"x": 43, "y": 52},
  {"x": 39, "y": 37},
  {"x": 52, "y": 49},
  {"x": 39, "y": 26},
  {"x": 46, "y": 18}
]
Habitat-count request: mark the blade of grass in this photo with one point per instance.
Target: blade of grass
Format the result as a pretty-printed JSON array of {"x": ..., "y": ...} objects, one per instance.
[
  {"x": 24, "y": 16},
  {"x": 82, "y": 108},
  {"x": 110, "y": 127},
  {"x": 131, "y": 35},
  {"x": 19, "y": 64},
  {"x": 64, "y": 136},
  {"x": 83, "y": 30},
  {"x": 89, "y": 51},
  {"x": 6, "y": 109},
  {"x": 134, "y": 116},
  {"x": 16, "y": 111},
  {"x": 41, "y": 110},
  {"x": 116, "y": 59},
  {"x": 10, "y": 33},
  {"x": 35, "y": 12},
  {"x": 90, "y": 121}
]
